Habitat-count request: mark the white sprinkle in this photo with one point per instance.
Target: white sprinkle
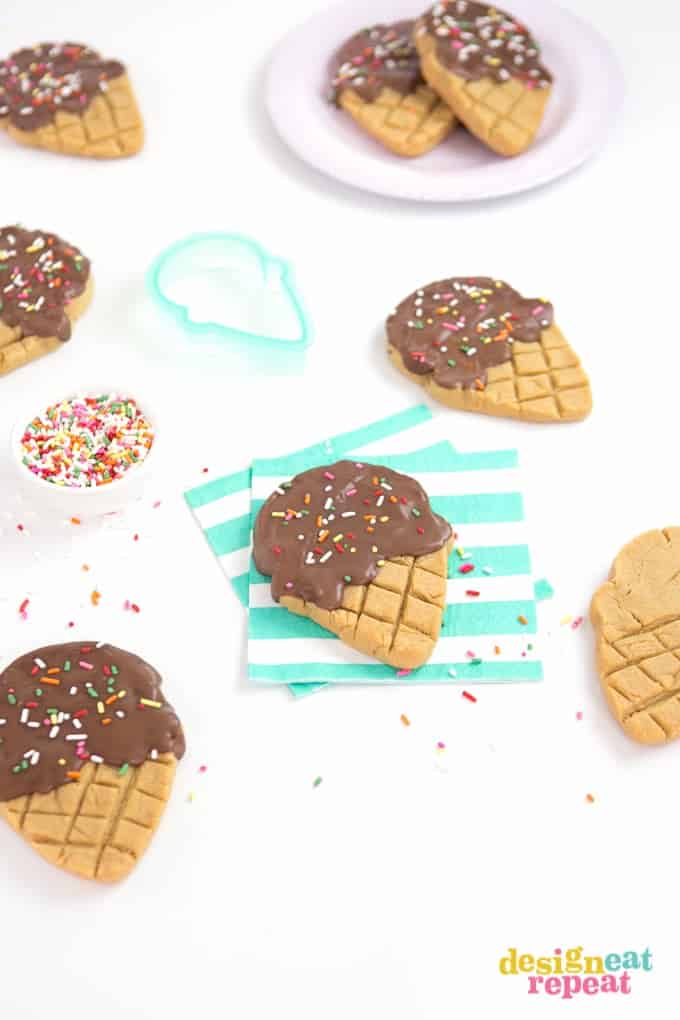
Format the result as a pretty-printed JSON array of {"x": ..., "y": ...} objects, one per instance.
[
  {"x": 74, "y": 690},
  {"x": 33, "y": 725},
  {"x": 349, "y": 513},
  {"x": 328, "y": 504},
  {"x": 23, "y": 718},
  {"x": 380, "y": 500},
  {"x": 76, "y": 736},
  {"x": 452, "y": 672},
  {"x": 39, "y": 662},
  {"x": 77, "y": 723},
  {"x": 326, "y": 556},
  {"x": 53, "y": 732},
  {"x": 154, "y": 754},
  {"x": 120, "y": 714},
  {"x": 96, "y": 759}
]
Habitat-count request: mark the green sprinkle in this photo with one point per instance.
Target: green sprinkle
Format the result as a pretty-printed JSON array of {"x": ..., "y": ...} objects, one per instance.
[
  {"x": 415, "y": 512},
  {"x": 123, "y": 769},
  {"x": 38, "y": 692},
  {"x": 11, "y": 699},
  {"x": 475, "y": 662},
  {"x": 91, "y": 691},
  {"x": 451, "y": 363},
  {"x": 347, "y": 579},
  {"x": 17, "y": 768},
  {"x": 317, "y": 781},
  {"x": 67, "y": 666},
  {"x": 115, "y": 670}
]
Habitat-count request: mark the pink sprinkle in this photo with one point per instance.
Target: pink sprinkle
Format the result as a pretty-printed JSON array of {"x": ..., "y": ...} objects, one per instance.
[
  {"x": 329, "y": 476},
  {"x": 466, "y": 568},
  {"x": 449, "y": 325},
  {"x": 441, "y": 746},
  {"x": 404, "y": 672},
  {"x": 457, "y": 44},
  {"x": 85, "y": 665},
  {"x": 471, "y": 655},
  {"x": 289, "y": 585},
  {"x": 127, "y": 604},
  {"x": 351, "y": 492},
  {"x": 156, "y": 504},
  {"x": 577, "y": 623},
  {"x": 538, "y": 310},
  {"x": 579, "y": 716},
  {"x": 203, "y": 768},
  {"x": 71, "y": 623}
]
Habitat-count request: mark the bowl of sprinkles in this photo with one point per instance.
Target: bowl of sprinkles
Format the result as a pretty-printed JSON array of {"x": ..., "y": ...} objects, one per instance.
[{"x": 93, "y": 450}]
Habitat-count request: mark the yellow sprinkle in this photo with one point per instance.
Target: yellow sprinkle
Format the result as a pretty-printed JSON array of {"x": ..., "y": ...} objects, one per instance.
[
  {"x": 150, "y": 704},
  {"x": 565, "y": 620},
  {"x": 100, "y": 707}
]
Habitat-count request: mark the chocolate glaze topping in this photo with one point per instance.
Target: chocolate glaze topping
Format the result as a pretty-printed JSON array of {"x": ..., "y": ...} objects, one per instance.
[
  {"x": 65, "y": 705},
  {"x": 39, "y": 275},
  {"x": 475, "y": 40},
  {"x": 336, "y": 525},
  {"x": 457, "y": 329},
  {"x": 39, "y": 81},
  {"x": 383, "y": 56}
]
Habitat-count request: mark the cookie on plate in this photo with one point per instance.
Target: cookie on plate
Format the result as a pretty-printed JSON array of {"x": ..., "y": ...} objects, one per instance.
[
  {"x": 474, "y": 343},
  {"x": 375, "y": 77},
  {"x": 88, "y": 756},
  {"x": 636, "y": 616},
  {"x": 65, "y": 98},
  {"x": 486, "y": 66},
  {"x": 357, "y": 548},
  {"x": 45, "y": 285}
]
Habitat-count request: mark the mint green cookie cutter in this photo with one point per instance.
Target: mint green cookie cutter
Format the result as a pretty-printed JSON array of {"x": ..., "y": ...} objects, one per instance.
[{"x": 201, "y": 254}]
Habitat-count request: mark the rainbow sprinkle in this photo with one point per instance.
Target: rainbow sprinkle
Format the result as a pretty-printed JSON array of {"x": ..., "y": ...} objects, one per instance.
[{"x": 87, "y": 441}]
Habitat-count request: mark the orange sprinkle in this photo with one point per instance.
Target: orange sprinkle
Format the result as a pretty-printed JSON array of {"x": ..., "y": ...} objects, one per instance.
[
  {"x": 75, "y": 520},
  {"x": 110, "y": 701},
  {"x": 53, "y": 671},
  {"x": 308, "y": 499},
  {"x": 106, "y": 722},
  {"x": 405, "y": 719},
  {"x": 497, "y": 649},
  {"x": 479, "y": 384},
  {"x": 73, "y": 775},
  {"x": 50, "y": 680},
  {"x": 95, "y": 597},
  {"x": 85, "y": 567},
  {"x": 522, "y": 619},
  {"x": 590, "y": 798}
]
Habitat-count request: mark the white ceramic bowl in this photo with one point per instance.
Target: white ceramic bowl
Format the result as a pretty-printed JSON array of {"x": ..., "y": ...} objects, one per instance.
[{"x": 45, "y": 498}]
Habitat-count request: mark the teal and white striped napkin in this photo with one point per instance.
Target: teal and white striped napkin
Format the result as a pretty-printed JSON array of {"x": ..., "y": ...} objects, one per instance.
[{"x": 478, "y": 492}]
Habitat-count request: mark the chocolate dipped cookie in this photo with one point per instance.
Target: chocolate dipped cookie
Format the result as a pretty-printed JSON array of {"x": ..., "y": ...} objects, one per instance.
[
  {"x": 357, "y": 548},
  {"x": 636, "y": 616},
  {"x": 65, "y": 98},
  {"x": 476, "y": 344},
  {"x": 88, "y": 751},
  {"x": 45, "y": 285},
  {"x": 486, "y": 66},
  {"x": 376, "y": 79}
]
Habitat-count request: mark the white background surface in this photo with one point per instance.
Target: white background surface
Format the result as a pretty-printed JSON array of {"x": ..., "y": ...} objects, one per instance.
[{"x": 391, "y": 889}]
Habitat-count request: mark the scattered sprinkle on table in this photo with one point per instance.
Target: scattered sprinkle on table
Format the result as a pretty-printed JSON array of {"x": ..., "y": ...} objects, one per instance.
[
  {"x": 470, "y": 697},
  {"x": 317, "y": 782},
  {"x": 405, "y": 719},
  {"x": 579, "y": 716},
  {"x": 565, "y": 620},
  {"x": 404, "y": 672},
  {"x": 576, "y": 623},
  {"x": 23, "y": 609},
  {"x": 522, "y": 619},
  {"x": 590, "y": 798},
  {"x": 85, "y": 442},
  {"x": 95, "y": 597},
  {"x": 441, "y": 746}
]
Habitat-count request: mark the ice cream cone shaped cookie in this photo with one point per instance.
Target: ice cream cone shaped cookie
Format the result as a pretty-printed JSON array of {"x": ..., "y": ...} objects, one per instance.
[
  {"x": 376, "y": 79},
  {"x": 88, "y": 756},
  {"x": 636, "y": 616},
  {"x": 475, "y": 344},
  {"x": 45, "y": 285},
  {"x": 65, "y": 98},
  {"x": 486, "y": 66},
  {"x": 356, "y": 548}
]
